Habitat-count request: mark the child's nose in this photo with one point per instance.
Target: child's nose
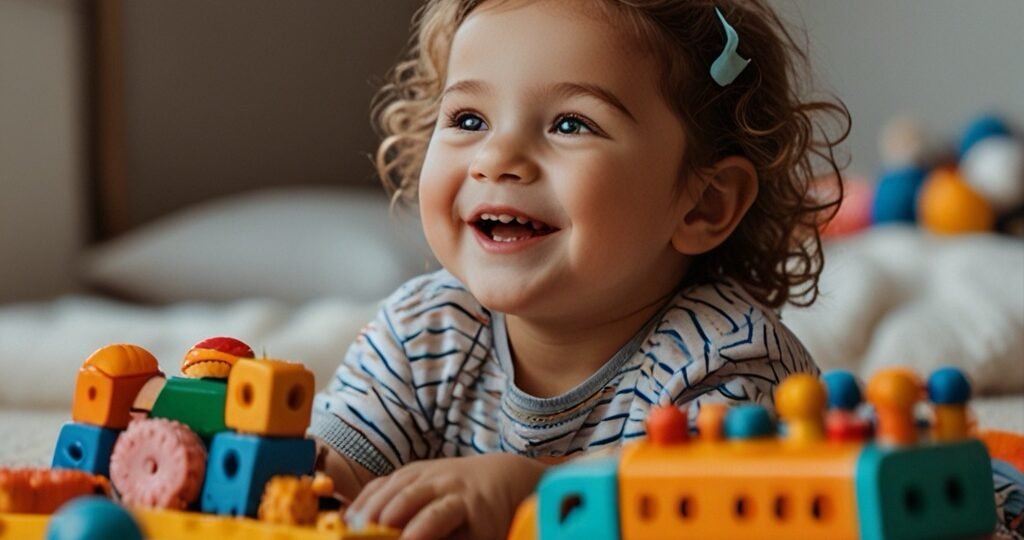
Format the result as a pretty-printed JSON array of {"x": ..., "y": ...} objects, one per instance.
[{"x": 504, "y": 157}]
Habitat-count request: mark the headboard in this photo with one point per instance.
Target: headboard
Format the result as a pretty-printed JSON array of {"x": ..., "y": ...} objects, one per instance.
[{"x": 194, "y": 99}]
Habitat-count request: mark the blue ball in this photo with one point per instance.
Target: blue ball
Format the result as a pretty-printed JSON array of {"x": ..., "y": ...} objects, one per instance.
[
  {"x": 948, "y": 386},
  {"x": 843, "y": 390},
  {"x": 92, "y": 518},
  {"x": 896, "y": 195},
  {"x": 980, "y": 128},
  {"x": 748, "y": 422}
]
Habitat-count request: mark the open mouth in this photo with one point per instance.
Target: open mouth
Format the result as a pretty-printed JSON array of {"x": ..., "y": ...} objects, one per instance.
[{"x": 509, "y": 228}]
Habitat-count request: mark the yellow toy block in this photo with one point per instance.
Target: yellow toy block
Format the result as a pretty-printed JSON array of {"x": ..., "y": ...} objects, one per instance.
[
  {"x": 108, "y": 383},
  {"x": 174, "y": 525},
  {"x": 269, "y": 398}
]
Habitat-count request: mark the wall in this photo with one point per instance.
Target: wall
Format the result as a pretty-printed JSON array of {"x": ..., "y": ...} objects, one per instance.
[
  {"x": 41, "y": 146},
  {"x": 942, "y": 61}
]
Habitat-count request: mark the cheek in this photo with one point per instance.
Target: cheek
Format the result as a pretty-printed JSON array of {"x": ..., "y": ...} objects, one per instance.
[{"x": 438, "y": 186}]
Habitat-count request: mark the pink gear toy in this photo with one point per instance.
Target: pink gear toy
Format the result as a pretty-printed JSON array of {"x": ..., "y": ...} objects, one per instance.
[{"x": 158, "y": 463}]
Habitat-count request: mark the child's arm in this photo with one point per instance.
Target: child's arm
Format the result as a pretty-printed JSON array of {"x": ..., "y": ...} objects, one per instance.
[
  {"x": 349, "y": 477},
  {"x": 466, "y": 497}
]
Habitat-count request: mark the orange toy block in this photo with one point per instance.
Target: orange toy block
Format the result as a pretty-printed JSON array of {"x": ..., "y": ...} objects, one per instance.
[
  {"x": 108, "y": 383},
  {"x": 269, "y": 398}
]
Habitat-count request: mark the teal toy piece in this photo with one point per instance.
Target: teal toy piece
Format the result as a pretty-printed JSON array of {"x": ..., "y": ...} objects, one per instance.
[
  {"x": 92, "y": 518},
  {"x": 84, "y": 447},
  {"x": 580, "y": 500},
  {"x": 948, "y": 386},
  {"x": 729, "y": 64},
  {"x": 896, "y": 195},
  {"x": 197, "y": 403},
  {"x": 981, "y": 128},
  {"x": 748, "y": 422},
  {"x": 239, "y": 466},
  {"x": 843, "y": 390},
  {"x": 925, "y": 492}
]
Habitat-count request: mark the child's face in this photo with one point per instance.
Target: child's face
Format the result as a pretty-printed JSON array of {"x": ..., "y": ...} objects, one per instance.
[{"x": 554, "y": 117}]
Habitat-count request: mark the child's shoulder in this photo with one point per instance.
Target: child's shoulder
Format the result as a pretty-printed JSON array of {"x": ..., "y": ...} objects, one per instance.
[
  {"x": 434, "y": 296},
  {"x": 721, "y": 311}
]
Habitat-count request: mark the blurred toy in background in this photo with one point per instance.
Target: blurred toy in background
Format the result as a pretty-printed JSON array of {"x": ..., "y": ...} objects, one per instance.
[{"x": 975, "y": 187}]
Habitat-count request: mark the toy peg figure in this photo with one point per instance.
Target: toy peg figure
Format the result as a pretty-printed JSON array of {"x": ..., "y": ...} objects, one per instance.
[
  {"x": 800, "y": 401},
  {"x": 893, "y": 393},
  {"x": 949, "y": 390},
  {"x": 844, "y": 396}
]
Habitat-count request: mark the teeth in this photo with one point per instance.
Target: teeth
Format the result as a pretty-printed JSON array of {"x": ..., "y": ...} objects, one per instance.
[
  {"x": 505, "y": 218},
  {"x": 522, "y": 220}
]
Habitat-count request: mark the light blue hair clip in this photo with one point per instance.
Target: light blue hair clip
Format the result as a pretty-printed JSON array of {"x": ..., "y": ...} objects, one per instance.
[{"x": 729, "y": 64}]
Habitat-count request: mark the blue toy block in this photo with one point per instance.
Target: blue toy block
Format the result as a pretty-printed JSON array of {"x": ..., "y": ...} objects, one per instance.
[
  {"x": 925, "y": 491},
  {"x": 85, "y": 447},
  {"x": 580, "y": 500},
  {"x": 239, "y": 466}
]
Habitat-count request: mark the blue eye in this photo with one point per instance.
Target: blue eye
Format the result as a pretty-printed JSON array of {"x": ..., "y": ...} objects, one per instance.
[
  {"x": 571, "y": 125},
  {"x": 469, "y": 122}
]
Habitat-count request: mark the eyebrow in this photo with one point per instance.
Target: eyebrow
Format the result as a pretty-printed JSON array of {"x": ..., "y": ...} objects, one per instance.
[{"x": 565, "y": 89}]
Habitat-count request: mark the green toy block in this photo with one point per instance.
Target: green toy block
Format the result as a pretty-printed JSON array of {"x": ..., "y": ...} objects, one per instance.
[
  {"x": 931, "y": 491},
  {"x": 197, "y": 403}
]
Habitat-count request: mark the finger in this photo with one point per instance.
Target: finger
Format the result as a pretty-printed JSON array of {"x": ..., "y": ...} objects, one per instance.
[
  {"x": 406, "y": 503},
  {"x": 370, "y": 503},
  {"x": 437, "y": 520}
]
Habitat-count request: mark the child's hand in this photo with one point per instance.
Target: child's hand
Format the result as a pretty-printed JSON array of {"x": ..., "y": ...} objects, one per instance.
[{"x": 468, "y": 497}]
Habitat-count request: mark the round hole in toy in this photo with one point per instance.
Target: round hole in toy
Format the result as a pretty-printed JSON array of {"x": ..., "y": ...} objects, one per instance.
[
  {"x": 954, "y": 489},
  {"x": 781, "y": 507},
  {"x": 230, "y": 464},
  {"x": 296, "y": 397},
  {"x": 687, "y": 507},
  {"x": 646, "y": 507},
  {"x": 821, "y": 508},
  {"x": 245, "y": 394},
  {"x": 913, "y": 500},
  {"x": 75, "y": 452}
]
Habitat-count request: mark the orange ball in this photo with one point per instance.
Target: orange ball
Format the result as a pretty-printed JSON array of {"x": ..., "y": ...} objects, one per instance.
[
  {"x": 949, "y": 205},
  {"x": 666, "y": 425}
]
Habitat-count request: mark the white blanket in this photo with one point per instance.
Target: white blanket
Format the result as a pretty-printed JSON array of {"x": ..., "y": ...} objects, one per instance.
[{"x": 890, "y": 296}]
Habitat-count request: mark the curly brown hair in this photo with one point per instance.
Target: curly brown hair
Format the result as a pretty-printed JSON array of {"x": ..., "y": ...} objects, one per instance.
[{"x": 775, "y": 252}]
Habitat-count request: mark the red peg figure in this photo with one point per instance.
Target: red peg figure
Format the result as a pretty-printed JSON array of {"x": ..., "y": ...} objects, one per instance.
[
  {"x": 893, "y": 392},
  {"x": 667, "y": 425},
  {"x": 800, "y": 401},
  {"x": 710, "y": 420}
]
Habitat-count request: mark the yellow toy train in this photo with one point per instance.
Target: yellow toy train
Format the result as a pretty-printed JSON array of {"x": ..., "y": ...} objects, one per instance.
[{"x": 820, "y": 478}]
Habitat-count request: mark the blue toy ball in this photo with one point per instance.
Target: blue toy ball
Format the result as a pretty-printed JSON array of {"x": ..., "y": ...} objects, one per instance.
[
  {"x": 748, "y": 422},
  {"x": 980, "y": 128},
  {"x": 92, "y": 518},
  {"x": 843, "y": 390},
  {"x": 896, "y": 195},
  {"x": 948, "y": 386}
]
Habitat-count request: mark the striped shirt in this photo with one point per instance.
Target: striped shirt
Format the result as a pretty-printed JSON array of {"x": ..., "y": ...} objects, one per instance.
[{"x": 432, "y": 377}]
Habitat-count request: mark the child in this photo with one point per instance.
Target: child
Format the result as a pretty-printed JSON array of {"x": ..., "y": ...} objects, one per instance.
[{"x": 617, "y": 222}]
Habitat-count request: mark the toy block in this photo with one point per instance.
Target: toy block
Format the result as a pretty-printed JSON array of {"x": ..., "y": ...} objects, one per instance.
[
  {"x": 158, "y": 463},
  {"x": 926, "y": 491},
  {"x": 43, "y": 491},
  {"x": 84, "y": 447},
  {"x": 197, "y": 403},
  {"x": 269, "y": 398},
  {"x": 239, "y": 467},
  {"x": 108, "y": 382},
  {"x": 575, "y": 498}
]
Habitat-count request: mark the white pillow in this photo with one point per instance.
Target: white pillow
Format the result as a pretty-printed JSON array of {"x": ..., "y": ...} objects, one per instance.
[{"x": 293, "y": 245}]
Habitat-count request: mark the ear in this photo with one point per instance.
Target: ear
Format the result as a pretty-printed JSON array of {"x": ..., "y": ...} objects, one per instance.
[{"x": 724, "y": 192}]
